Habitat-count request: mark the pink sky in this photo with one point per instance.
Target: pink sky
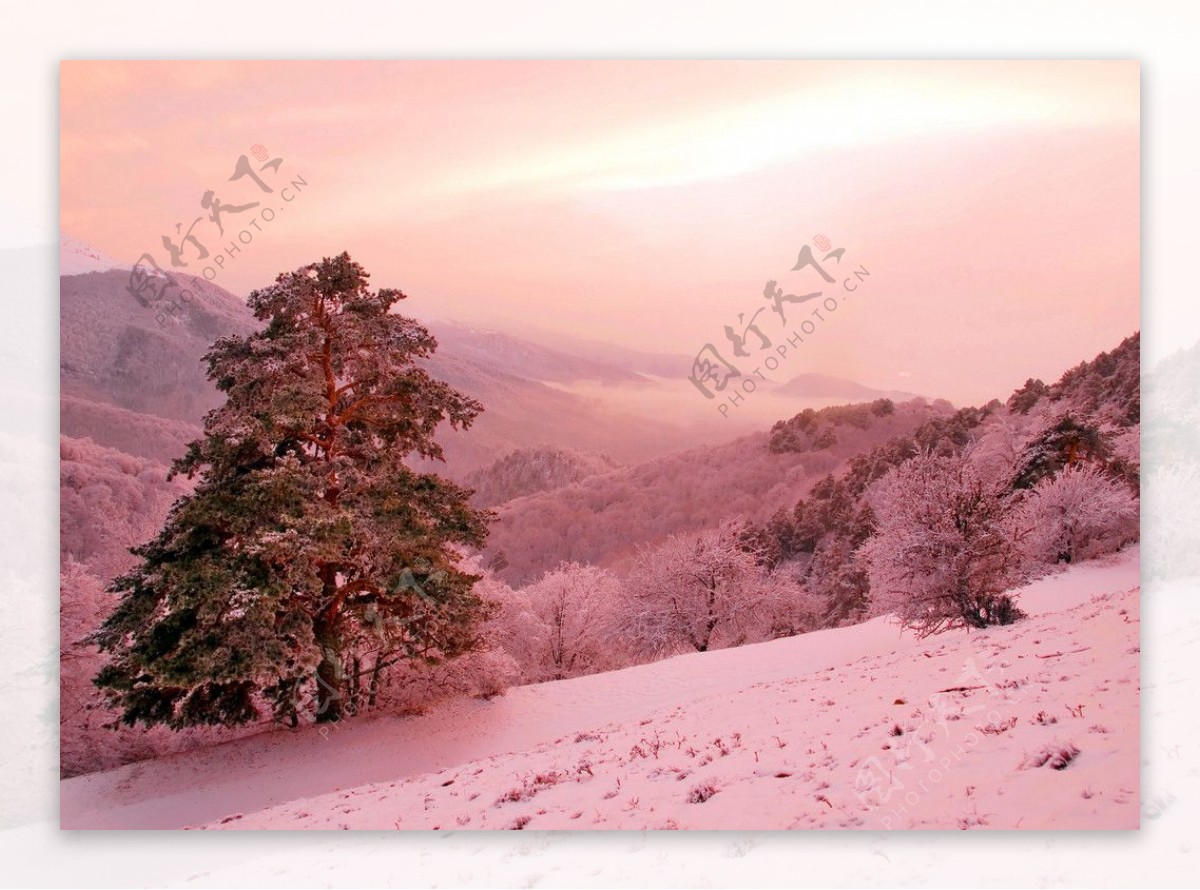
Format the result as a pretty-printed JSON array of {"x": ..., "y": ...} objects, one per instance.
[{"x": 996, "y": 204}]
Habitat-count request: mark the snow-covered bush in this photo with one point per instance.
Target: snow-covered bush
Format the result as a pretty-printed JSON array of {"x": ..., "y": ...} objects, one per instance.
[
  {"x": 564, "y": 624},
  {"x": 409, "y": 687},
  {"x": 1077, "y": 514},
  {"x": 706, "y": 591},
  {"x": 787, "y": 608},
  {"x": 945, "y": 550}
]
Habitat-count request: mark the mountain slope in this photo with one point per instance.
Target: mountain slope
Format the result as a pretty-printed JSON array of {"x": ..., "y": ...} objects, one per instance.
[
  {"x": 531, "y": 470},
  {"x": 527, "y": 359},
  {"x": 114, "y": 350},
  {"x": 604, "y": 519},
  {"x": 520, "y": 412}
]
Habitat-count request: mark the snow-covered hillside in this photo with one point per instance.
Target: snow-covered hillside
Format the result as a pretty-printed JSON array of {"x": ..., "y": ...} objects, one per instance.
[
  {"x": 1033, "y": 725},
  {"x": 78, "y": 258}
]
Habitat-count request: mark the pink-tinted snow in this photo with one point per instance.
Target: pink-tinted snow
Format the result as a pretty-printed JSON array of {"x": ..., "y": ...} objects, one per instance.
[{"x": 845, "y": 728}]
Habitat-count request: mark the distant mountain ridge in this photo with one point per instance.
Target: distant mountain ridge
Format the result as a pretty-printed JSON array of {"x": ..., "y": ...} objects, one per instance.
[
  {"x": 120, "y": 356},
  {"x": 527, "y": 358},
  {"x": 824, "y": 386}
]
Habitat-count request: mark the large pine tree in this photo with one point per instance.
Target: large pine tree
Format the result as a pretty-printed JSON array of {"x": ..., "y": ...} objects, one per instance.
[{"x": 308, "y": 534}]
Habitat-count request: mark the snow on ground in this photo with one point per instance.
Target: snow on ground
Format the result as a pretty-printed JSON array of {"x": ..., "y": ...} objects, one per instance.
[{"x": 857, "y": 727}]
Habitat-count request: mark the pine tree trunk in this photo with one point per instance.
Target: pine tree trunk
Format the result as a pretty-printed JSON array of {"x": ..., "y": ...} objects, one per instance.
[
  {"x": 330, "y": 676},
  {"x": 355, "y": 685},
  {"x": 376, "y": 675}
]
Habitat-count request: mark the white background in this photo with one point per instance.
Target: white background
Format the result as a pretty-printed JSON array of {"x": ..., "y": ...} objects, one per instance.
[{"x": 1163, "y": 36}]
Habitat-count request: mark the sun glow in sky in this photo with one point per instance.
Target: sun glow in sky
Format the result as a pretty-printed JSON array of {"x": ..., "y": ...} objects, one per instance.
[
  {"x": 646, "y": 203},
  {"x": 736, "y": 140}
]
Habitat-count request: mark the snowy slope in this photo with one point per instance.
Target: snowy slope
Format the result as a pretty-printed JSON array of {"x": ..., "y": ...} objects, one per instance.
[
  {"x": 846, "y": 728},
  {"x": 77, "y": 258}
]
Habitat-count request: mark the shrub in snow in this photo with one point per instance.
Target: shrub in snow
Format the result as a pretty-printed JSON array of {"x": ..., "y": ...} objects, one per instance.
[
  {"x": 944, "y": 552},
  {"x": 701, "y": 793},
  {"x": 564, "y": 624},
  {"x": 997, "y": 727},
  {"x": 1055, "y": 756},
  {"x": 1079, "y": 513}
]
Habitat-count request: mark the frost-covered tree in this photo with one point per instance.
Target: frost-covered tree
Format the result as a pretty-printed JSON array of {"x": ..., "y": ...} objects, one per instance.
[
  {"x": 1080, "y": 513},
  {"x": 999, "y": 452},
  {"x": 1125, "y": 461},
  {"x": 702, "y": 591},
  {"x": 787, "y": 607},
  {"x": 306, "y": 527},
  {"x": 564, "y": 625},
  {"x": 1064, "y": 441},
  {"x": 944, "y": 551},
  {"x": 837, "y": 576},
  {"x": 1027, "y": 396},
  {"x": 81, "y": 707}
]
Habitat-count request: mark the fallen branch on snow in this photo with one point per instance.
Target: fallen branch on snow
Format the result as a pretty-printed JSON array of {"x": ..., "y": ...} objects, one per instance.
[{"x": 1060, "y": 654}]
